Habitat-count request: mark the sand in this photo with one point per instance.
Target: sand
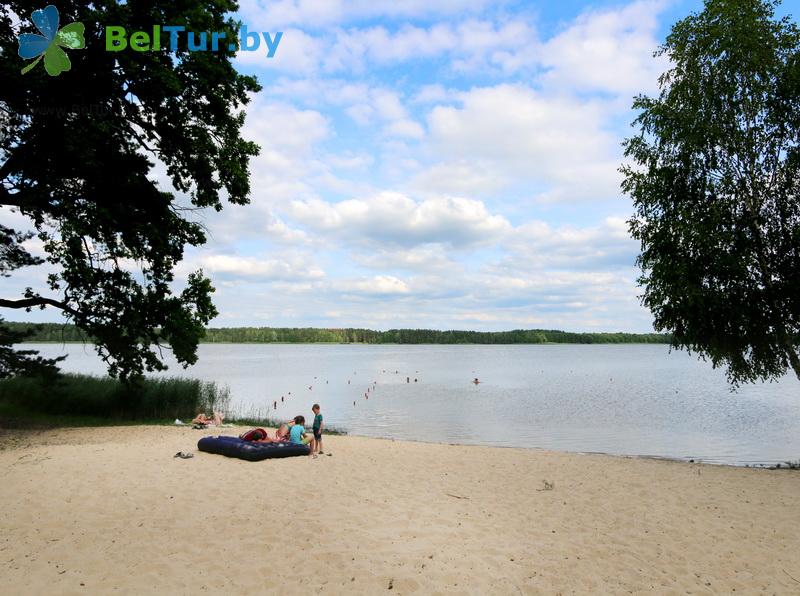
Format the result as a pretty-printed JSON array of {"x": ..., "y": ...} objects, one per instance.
[{"x": 110, "y": 511}]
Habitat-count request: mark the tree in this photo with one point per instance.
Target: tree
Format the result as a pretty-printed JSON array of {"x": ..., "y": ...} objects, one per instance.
[
  {"x": 23, "y": 362},
  {"x": 14, "y": 362},
  {"x": 77, "y": 155},
  {"x": 714, "y": 179}
]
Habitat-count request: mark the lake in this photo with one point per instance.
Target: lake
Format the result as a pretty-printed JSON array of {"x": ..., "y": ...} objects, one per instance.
[{"x": 626, "y": 399}]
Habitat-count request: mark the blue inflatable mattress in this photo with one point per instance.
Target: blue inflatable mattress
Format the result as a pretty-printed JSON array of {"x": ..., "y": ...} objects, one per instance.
[{"x": 236, "y": 447}]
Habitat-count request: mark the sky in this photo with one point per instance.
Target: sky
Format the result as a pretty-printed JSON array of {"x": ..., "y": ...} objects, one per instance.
[{"x": 448, "y": 164}]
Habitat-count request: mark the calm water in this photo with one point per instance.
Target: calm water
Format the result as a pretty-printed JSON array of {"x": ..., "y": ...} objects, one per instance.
[{"x": 621, "y": 399}]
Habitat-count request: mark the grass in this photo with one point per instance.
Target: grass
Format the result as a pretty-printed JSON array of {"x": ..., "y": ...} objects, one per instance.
[
  {"x": 103, "y": 400},
  {"x": 12, "y": 416},
  {"x": 84, "y": 400}
]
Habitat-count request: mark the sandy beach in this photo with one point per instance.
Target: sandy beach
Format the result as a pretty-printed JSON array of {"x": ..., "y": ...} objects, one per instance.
[{"x": 111, "y": 511}]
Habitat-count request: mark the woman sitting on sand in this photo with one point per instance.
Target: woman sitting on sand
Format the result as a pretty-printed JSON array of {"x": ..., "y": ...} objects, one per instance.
[
  {"x": 201, "y": 418},
  {"x": 282, "y": 434}
]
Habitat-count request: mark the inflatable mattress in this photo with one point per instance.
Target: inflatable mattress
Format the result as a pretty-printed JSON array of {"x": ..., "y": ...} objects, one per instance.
[{"x": 236, "y": 447}]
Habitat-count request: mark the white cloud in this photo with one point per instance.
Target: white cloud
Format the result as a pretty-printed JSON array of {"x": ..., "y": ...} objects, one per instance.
[
  {"x": 537, "y": 244},
  {"x": 379, "y": 285},
  {"x": 350, "y": 161},
  {"x": 608, "y": 51},
  {"x": 472, "y": 44},
  {"x": 291, "y": 165},
  {"x": 513, "y": 131},
  {"x": 405, "y": 128},
  {"x": 317, "y": 91},
  {"x": 361, "y": 113},
  {"x": 394, "y": 218},
  {"x": 280, "y": 232},
  {"x": 387, "y": 105},
  {"x": 429, "y": 258},
  {"x": 283, "y": 128},
  {"x": 355, "y": 48},
  {"x": 263, "y": 269},
  {"x": 435, "y": 93},
  {"x": 462, "y": 177},
  {"x": 381, "y": 105},
  {"x": 271, "y": 15}
]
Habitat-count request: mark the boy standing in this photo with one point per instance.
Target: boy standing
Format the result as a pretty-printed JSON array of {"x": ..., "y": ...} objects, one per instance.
[{"x": 317, "y": 428}]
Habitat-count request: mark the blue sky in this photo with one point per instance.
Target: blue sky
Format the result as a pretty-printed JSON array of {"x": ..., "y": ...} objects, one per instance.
[{"x": 445, "y": 164}]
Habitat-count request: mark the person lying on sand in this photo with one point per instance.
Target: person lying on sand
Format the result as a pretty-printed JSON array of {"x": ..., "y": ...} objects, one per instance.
[
  {"x": 201, "y": 418},
  {"x": 259, "y": 435},
  {"x": 256, "y": 435}
]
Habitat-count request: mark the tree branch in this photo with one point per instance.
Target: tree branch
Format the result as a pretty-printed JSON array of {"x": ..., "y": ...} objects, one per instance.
[{"x": 37, "y": 301}]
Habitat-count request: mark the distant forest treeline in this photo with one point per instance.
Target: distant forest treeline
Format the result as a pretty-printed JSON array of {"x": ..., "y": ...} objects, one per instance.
[{"x": 69, "y": 333}]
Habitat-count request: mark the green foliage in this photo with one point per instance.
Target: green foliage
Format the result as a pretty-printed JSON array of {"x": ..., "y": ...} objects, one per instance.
[
  {"x": 48, "y": 332},
  {"x": 14, "y": 256},
  {"x": 76, "y": 156},
  {"x": 110, "y": 399},
  {"x": 23, "y": 362},
  {"x": 715, "y": 182}
]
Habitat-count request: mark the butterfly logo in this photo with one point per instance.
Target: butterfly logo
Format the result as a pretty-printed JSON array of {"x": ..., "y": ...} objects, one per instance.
[{"x": 50, "y": 42}]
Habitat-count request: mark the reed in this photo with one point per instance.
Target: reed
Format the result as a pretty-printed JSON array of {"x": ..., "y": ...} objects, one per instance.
[{"x": 104, "y": 398}]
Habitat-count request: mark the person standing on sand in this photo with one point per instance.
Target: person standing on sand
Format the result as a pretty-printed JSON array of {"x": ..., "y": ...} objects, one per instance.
[{"x": 317, "y": 428}]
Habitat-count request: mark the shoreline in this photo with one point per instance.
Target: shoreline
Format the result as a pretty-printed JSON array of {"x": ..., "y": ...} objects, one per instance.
[
  {"x": 684, "y": 460},
  {"x": 787, "y": 465},
  {"x": 109, "y": 509}
]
